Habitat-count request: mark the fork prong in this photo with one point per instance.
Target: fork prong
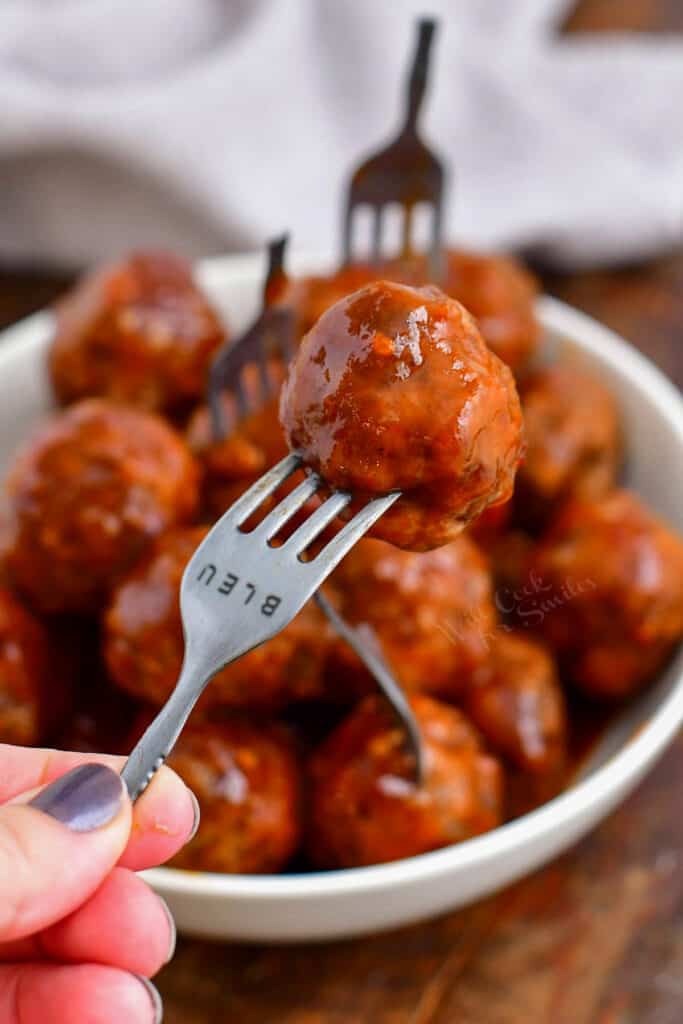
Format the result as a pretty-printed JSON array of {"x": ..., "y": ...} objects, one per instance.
[
  {"x": 435, "y": 249},
  {"x": 317, "y": 521},
  {"x": 265, "y": 382},
  {"x": 215, "y": 400},
  {"x": 287, "y": 335},
  {"x": 407, "y": 230},
  {"x": 241, "y": 396},
  {"x": 336, "y": 548},
  {"x": 263, "y": 488},
  {"x": 285, "y": 509},
  {"x": 377, "y": 233},
  {"x": 347, "y": 231}
]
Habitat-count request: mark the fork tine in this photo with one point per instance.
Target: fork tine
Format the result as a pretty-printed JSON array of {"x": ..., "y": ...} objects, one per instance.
[
  {"x": 347, "y": 230},
  {"x": 265, "y": 382},
  {"x": 435, "y": 249},
  {"x": 317, "y": 521},
  {"x": 215, "y": 400},
  {"x": 377, "y": 234},
  {"x": 241, "y": 396},
  {"x": 286, "y": 508},
  {"x": 407, "y": 230},
  {"x": 336, "y": 548},
  {"x": 287, "y": 335},
  {"x": 263, "y": 488}
]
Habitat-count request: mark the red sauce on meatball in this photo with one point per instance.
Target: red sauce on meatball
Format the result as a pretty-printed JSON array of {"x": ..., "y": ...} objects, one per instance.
[
  {"x": 516, "y": 702},
  {"x": 140, "y": 332},
  {"x": 500, "y": 295},
  {"x": 34, "y": 691},
  {"x": 364, "y": 806},
  {"x": 432, "y": 612},
  {"x": 247, "y": 779},
  {"x": 573, "y": 439},
  {"x": 611, "y": 603},
  {"x": 229, "y": 466},
  {"x": 394, "y": 389},
  {"x": 85, "y": 496}
]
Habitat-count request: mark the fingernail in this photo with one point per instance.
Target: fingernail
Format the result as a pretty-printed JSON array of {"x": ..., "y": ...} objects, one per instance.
[
  {"x": 172, "y": 929},
  {"x": 155, "y": 998},
  {"x": 84, "y": 799},
  {"x": 197, "y": 816}
]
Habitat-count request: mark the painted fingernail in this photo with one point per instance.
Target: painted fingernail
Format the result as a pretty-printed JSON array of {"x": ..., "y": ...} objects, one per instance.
[
  {"x": 197, "y": 816},
  {"x": 155, "y": 998},
  {"x": 172, "y": 929},
  {"x": 86, "y": 798}
]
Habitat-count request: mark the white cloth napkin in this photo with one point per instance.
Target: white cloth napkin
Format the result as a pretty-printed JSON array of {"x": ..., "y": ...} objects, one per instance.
[{"x": 208, "y": 125}]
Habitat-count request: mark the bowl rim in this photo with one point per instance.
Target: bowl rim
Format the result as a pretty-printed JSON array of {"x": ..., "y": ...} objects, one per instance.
[{"x": 574, "y": 804}]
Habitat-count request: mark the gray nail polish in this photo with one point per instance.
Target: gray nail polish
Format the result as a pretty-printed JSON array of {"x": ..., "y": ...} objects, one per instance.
[
  {"x": 155, "y": 998},
  {"x": 197, "y": 816},
  {"x": 84, "y": 799},
  {"x": 172, "y": 929}
]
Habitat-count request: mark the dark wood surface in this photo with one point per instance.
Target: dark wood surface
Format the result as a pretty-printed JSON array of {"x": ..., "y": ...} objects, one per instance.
[{"x": 595, "y": 938}]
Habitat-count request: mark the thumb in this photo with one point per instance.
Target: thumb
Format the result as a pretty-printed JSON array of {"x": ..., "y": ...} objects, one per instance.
[{"x": 56, "y": 850}]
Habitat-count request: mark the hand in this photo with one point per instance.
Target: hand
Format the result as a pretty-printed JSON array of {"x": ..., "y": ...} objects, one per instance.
[{"x": 80, "y": 932}]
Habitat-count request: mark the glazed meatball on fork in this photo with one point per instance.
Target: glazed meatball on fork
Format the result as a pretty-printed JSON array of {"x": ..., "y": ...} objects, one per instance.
[{"x": 242, "y": 579}]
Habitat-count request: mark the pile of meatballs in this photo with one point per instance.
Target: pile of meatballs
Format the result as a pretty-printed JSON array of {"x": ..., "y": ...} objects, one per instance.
[{"x": 511, "y": 575}]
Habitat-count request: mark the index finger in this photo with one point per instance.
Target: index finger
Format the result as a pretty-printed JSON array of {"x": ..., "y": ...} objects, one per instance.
[{"x": 164, "y": 818}]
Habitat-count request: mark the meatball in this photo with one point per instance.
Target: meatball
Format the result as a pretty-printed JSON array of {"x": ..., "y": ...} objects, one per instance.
[
  {"x": 365, "y": 809},
  {"x": 509, "y": 555},
  {"x": 139, "y": 332},
  {"x": 394, "y": 389},
  {"x": 230, "y": 466},
  {"x": 84, "y": 498},
  {"x": 610, "y": 599},
  {"x": 247, "y": 779},
  {"x": 496, "y": 290},
  {"x": 311, "y": 296},
  {"x": 491, "y": 525},
  {"x": 143, "y": 639},
  {"x": 516, "y": 702},
  {"x": 33, "y": 690},
  {"x": 432, "y": 611},
  {"x": 573, "y": 442},
  {"x": 500, "y": 294}
]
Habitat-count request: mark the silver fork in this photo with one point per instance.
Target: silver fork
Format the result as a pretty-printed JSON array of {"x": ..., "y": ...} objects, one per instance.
[
  {"x": 238, "y": 590},
  {"x": 406, "y": 172},
  {"x": 364, "y": 641},
  {"x": 271, "y": 337}
]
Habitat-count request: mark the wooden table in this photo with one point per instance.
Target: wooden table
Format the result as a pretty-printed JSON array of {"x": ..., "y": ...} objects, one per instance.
[{"x": 597, "y": 937}]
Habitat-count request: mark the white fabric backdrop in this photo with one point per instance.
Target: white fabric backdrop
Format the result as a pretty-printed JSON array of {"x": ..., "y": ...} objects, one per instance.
[{"x": 208, "y": 125}]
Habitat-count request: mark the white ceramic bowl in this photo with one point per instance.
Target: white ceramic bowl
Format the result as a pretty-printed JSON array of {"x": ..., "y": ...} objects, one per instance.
[{"x": 344, "y": 903}]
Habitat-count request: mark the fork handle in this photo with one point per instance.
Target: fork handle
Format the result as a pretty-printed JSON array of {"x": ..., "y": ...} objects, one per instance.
[
  {"x": 156, "y": 743},
  {"x": 417, "y": 81},
  {"x": 276, "y": 277}
]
